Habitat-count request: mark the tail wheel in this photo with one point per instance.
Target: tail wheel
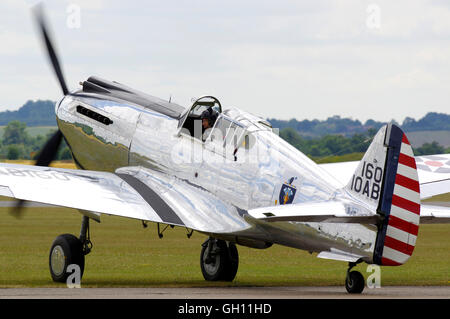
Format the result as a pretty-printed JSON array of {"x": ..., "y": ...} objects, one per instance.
[
  {"x": 219, "y": 261},
  {"x": 354, "y": 283},
  {"x": 66, "y": 250}
]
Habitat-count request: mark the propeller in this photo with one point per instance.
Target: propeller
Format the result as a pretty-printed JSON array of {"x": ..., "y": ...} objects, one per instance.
[
  {"x": 49, "y": 152},
  {"x": 40, "y": 19}
]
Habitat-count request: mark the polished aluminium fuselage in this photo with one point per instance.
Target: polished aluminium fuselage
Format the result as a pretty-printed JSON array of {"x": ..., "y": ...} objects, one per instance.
[{"x": 250, "y": 178}]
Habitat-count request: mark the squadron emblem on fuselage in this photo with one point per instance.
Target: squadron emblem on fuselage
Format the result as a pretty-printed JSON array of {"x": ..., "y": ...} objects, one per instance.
[{"x": 287, "y": 192}]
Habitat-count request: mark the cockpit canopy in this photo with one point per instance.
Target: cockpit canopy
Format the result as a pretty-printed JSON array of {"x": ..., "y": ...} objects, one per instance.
[
  {"x": 229, "y": 130},
  {"x": 193, "y": 116}
]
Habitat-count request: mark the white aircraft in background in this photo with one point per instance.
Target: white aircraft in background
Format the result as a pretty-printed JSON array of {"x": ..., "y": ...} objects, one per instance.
[{"x": 225, "y": 174}]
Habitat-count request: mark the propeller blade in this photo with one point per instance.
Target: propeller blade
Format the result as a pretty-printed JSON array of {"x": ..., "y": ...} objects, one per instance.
[
  {"x": 17, "y": 210},
  {"x": 50, "y": 149},
  {"x": 45, "y": 157},
  {"x": 40, "y": 19}
]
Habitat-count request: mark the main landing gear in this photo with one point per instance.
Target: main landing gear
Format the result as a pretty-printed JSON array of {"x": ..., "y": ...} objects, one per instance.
[
  {"x": 354, "y": 283},
  {"x": 67, "y": 250},
  {"x": 219, "y": 260}
]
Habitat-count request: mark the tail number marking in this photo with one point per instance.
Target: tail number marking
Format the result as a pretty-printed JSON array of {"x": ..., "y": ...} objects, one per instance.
[{"x": 368, "y": 183}]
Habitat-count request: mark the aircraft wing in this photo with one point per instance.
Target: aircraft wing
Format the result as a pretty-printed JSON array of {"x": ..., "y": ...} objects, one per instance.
[
  {"x": 132, "y": 192},
  {"x": 433, "y": 171}
]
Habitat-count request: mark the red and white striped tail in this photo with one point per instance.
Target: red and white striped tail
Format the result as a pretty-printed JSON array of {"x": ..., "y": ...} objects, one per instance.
[
  {"x": 404, "y": 217},
  {"x": 400, "y": 202}
]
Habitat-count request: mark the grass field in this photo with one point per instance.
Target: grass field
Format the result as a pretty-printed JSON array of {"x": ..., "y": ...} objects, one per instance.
[{"x": 127, "y": 255}]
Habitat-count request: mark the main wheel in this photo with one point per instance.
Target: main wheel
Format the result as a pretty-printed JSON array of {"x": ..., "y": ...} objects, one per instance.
[
  {"x": 354, "y": 283},
  {"x": 66, "y": 250},
  {"x": 222, "y": 262},
  {"x": 232, "y": 263}
]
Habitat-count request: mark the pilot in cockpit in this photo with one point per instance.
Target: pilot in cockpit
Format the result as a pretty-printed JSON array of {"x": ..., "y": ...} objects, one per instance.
[{"x": 208, "y": 117}]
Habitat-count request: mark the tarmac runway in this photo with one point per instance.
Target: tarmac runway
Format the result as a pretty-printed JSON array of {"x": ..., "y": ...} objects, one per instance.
[{"x": 334, "y": 292}]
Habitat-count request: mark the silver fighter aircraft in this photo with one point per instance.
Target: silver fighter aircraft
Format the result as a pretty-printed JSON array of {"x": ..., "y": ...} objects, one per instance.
[{"x": 226, "y": 174}]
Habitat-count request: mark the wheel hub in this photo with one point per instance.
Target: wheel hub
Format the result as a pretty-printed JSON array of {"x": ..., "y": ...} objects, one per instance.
[
  {"x": 213, "y": 264},
  {"x": 58, "y": 260}
]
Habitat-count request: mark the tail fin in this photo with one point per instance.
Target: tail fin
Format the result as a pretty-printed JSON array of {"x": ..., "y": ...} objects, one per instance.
[{"x": 387, "y": 180}]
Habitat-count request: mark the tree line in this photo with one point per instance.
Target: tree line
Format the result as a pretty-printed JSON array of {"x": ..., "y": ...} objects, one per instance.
[
  {"x": 42, "y": 113},
  {"x": 432, "y": 121},
  {"x": 333, "y": 139},
  {"x": 18, "y": 144},
  {"x": 330, "y": 148},
  {"x": 32, "y": 113}
]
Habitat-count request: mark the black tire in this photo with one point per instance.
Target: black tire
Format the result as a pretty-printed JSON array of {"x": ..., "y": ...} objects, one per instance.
[
  {"x": 224, "y": 263},
  {"x": 232, "y": 264},
  {"x": 354, "y": 283},
  {"x": 66, "y": 250}
]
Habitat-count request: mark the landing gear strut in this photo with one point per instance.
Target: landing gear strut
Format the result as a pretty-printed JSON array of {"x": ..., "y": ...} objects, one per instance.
[
  {"x": 354, "y": 283},
  {"x": 68, "y": 249},
  {"x": 219, "y": 260}
]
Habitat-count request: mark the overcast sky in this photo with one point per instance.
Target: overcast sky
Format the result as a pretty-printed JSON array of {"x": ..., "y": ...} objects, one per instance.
[{"x": 283, "y": 59}]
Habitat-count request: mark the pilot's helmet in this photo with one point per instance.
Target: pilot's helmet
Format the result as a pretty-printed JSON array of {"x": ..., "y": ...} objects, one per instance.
[{"x": 209, "y": 114}]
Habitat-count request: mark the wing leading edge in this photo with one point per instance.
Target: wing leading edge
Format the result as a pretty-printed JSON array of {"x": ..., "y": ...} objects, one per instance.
[{"x": 132, "y": 192}]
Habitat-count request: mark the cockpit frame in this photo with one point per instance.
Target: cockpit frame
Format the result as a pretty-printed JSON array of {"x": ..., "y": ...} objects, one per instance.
[{"x": 202, "y": 101}]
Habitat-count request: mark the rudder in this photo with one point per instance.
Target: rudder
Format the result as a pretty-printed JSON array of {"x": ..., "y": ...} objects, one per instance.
[
  {"x": 400, "y": 202},
  {"x": 387, "y": 180}
]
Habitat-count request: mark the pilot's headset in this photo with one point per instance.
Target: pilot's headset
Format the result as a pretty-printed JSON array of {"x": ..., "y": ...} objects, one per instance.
[{"x": 211, "y": 115}]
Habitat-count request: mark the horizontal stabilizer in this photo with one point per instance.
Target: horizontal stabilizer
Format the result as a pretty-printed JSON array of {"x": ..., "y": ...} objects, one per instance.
[
  {"x": 325, "y": 212},
  {"x": 339, "y": 255}
]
